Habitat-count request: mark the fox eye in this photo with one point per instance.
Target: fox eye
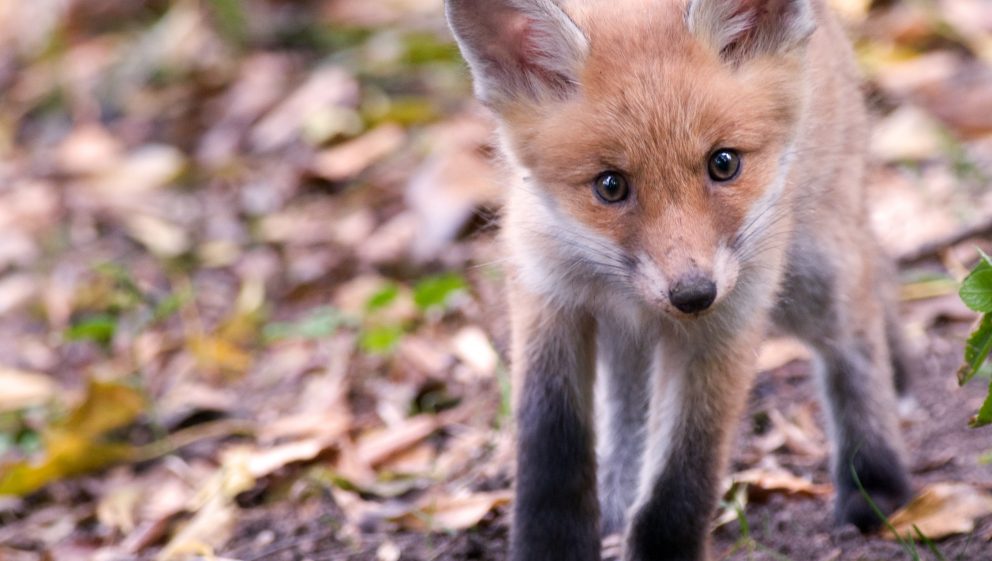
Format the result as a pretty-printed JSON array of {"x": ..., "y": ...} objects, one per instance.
[
  {"x": 724, "y": 164},
  {"x": 611, "y": 187}
]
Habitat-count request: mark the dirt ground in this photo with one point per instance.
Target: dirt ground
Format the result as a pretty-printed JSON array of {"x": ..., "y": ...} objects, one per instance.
[{"x": 942, "y": 449}]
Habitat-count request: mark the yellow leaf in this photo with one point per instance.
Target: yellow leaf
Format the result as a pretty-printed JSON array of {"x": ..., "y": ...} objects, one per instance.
[
  {"x": 72, "y": 446},
  {"x": 107, "y": 406},
  {"x": 66, "y": 455},
  {"x": 214, "y": 353}
]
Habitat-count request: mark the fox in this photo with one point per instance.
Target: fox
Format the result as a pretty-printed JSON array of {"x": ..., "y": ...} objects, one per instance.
[{"x": 682, "y": 177}]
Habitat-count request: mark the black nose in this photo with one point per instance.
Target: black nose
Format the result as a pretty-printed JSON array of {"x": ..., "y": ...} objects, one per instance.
[{"x": 692, "y": 295}]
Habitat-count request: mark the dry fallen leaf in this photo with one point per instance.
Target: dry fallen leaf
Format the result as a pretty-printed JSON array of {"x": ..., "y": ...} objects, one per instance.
[
  {"x": 161, "y": 237},
  {"x": 909, "y": 133},
  {"x": 215, "y": 354},
  {"x": 452, "y": 184},
  {"x": 20, "y": 389},
  {"x": 146, "y": 169},
  {"x": 801, "y": 436},
  {"x": 375, "y": 447},
  {"x": 763, "y": 482},
  {"x": 779, "y": 351},
  {"x": 327, "y": 88},
  {"x": 267, "y": 460},
  {"x": 215, "y": 511},
  {"x": 347, "y": 160},
  {"x": 88, "y": 150},
  {"x": 941, "y": 510},
  {"x": 456, "y": 512},
  {"x": 471, "y": 345}
]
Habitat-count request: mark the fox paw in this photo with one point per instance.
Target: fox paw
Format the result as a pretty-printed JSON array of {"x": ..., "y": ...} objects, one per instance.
[{"x": 883, "y": 479}]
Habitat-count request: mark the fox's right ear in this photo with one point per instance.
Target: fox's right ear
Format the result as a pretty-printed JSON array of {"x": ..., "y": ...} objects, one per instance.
[{"x": 518, "y": 48}]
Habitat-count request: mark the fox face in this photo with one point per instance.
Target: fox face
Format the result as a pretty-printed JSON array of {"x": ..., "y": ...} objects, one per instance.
[{"x": 656, "y": 143}]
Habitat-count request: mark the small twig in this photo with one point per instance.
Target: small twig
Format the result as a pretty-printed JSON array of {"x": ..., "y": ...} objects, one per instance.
[{"x": 191, "y": 435}]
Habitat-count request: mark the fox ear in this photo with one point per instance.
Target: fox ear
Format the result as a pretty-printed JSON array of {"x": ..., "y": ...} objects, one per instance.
[
  {"x": 740, "y": 29},
  {"x": 518, "y": 48}
]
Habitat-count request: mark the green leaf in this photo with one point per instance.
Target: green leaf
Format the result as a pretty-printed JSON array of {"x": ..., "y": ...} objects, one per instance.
[
  {"x": 984, "y": 416},
  {"x": 99, "y": 328},
  {"x": 435, "y": 291},
  {"x": 381, "y": 339},
  {"x": 169, "y": 305},
  {"x": 386, "y": 296},
  {"x": 976, "y": 350},
  {"x": 976, "y": 290}
]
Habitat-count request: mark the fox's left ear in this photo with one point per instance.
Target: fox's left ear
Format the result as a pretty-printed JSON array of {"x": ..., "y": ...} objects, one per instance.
[
  {"x": 518, "y": 49},
  {"x": 741, "y": 29}
]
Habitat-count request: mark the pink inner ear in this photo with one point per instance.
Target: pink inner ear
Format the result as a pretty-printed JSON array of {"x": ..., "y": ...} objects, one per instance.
[
  {"x": 516, "y": 37},
  {"x": 523, "y": 42}
]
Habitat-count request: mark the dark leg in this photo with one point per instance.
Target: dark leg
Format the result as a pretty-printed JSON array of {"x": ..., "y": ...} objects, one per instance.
[
  {"x": 863, "y": 412},
  {"x": 556, "y": 514},
  {"x": 846, "y": 318},
  {"x": 694, "y": 409}
]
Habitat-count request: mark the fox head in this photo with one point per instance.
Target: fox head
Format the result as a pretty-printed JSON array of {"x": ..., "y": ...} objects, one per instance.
[{"x": 655, "y": 134}]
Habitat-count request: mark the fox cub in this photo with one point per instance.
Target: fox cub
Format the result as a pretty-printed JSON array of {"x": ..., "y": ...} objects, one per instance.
[{"x": 686, "y": 173}]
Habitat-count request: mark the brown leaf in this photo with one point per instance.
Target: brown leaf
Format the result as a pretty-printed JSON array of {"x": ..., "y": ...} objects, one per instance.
[
  {"x": 451, "y": 513},
  {"x": 89, "y": 149},
  {"x": 20, "y": 389},
  {"x": 804, "y": 440},
  {"x": 941, "y": 510},
  {"x": 215, "y": 511},
  {"x": 329, "y": 89},
  {"x": 148, "y": 168},
  {"x": 347, "y": 160},
  {"x": 266, "y": 461},
  {"x": 161, "y": 237},
  {"x": 375, "y": 447},
  {"x": 779, "y": 351},
  {"x": 763, "y": 482},
  {"x": 471, "y": 345},
  {"x": 448, "y": 188},
  {"x": 909, "y": 133}
]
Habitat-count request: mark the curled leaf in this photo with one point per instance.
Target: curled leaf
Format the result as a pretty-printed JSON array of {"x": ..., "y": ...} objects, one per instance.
[{"x": 941, "y": 510}]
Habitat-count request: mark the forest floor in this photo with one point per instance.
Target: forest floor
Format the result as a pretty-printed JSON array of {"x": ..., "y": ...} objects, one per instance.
[{"x": 250, "y": 294}]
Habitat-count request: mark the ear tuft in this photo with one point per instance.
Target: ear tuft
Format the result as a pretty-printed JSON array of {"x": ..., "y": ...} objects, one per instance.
[
  {"x": 740, "y": 29},
  {"x": 518, "y": 48}
]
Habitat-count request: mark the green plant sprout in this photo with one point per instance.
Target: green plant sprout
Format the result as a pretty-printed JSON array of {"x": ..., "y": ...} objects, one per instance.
[{"x": 976, "y": 292}]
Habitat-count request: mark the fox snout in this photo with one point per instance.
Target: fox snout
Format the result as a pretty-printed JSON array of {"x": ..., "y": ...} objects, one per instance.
[
  {"x": 690, "y": 285},
  {"x": 693, "y": 293}
]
